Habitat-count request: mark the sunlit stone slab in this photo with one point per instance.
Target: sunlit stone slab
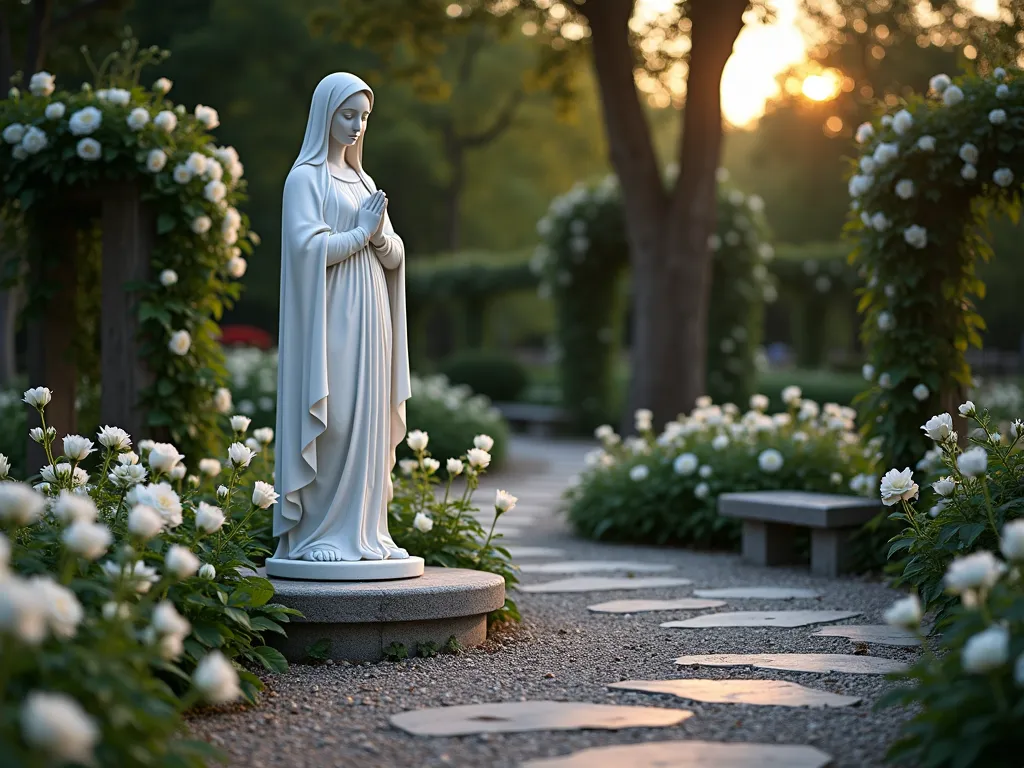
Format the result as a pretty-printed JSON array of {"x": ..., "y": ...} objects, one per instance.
[
  {"x": 846, "y": 663},
  {"x": 761, "y": 619},
  {"x": 595, "y": 566},
  {"x": 690, "y": 754},
  {"x": 640, "y": 606},
  {"x": 778, "y": 693},
  {"x": 754, "y": 593},
  {"x": 518, "y": 716},
  {"x": 520, "y": 552},
  {"x": 603, "y": 583},
  {"x": 878, "y": 634}
]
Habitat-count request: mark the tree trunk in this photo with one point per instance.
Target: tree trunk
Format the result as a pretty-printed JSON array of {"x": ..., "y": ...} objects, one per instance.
[
  {"x": 453, "y": 201},
  {"x": 667, "y": 233}
]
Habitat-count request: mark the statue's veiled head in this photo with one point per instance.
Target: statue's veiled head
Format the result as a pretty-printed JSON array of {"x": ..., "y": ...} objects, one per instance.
[{"x": 341, "y": 103}]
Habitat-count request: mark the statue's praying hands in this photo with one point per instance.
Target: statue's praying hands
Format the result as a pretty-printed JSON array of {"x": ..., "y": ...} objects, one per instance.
[{"x": 371, "y": 216}]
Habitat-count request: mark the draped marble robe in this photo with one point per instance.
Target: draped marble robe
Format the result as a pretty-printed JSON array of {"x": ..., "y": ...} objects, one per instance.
[{"x": 343, "y": 375}]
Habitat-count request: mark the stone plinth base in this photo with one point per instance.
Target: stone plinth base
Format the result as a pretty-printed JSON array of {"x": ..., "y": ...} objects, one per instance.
[{"x": 361, "y": 619}]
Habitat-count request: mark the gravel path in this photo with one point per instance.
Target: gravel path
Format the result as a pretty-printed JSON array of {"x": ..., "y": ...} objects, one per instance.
[{"x": 337, "y": 714}]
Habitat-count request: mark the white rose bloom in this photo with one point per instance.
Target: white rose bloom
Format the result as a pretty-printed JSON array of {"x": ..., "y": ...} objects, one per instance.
[
  {"x": 215, "y": 191},
  {"x": 216, "y": 679},
  {"x": 997, "y": 116},
  {"x": 222, "y": 400},
  {"x": 759, "y": 402},
  {"x": 916, "y": 236},
  {"x": 166, "y": 121},
  {"x": 182, "y": 174},
  {"x": 240, "y": 423},
  {"x": 643, "y": 419},
  {"x": 969, "y": 172},
  {"x": 1003, "y": 177},
  {"x": 240, "y": 455},
  {"x": 967, "y": 409},
  {"x": 505, "y": 501},
  {"x": 705, "y": 471},
  {"x": 905, "y": 613},
  {"x": 791, "y": 395},
  {"x": 201, "y": 224},
  {"x": 54, "y": 111},
  {"x": 236, "y": 267},
  {"x": 180, "y": 342},
  {"x": 836, "y": 478},
  {"x": 168, "y": 277},
  {"x": 127, "y": 475},
  {"x": 77, "y": 447},
  {"x": 5, "y": 467},
  {"x": 920, "y": 392},
  {"x": 20, "y": 504},
  {"x": 210, "y": 467},
  {"x": 1002, "y": 91},
  {"x": 207, "y": 116},
  {"x": 431, "y": 465},
  {"x": 156, "y": 160},
  {"x": 144, "y": 522},
  {"x": 85, "y": 121},
  {"x": 209, "y": 519},
  {"x": 35, "y": 141},
  {"x": 987, "y": 650},
  {"x": 952, "y": 96},
  {"x": 685, "y": 464},
  {"x": 478, "y": 459},
  {"x": 417, "y": 440},
  {"x": 137, "y": 118},
  {"x": 207, "y": 571},
  {"x": 264, "y": 435},
  {"x": 214, "y": 170},
  {"x": 408, "y": 466},
  {"x": 1012, "y": 544},
  {"x": 263, "y": 495},
  {"x": 865, "y": 131},
  {"x": 944, "y": 486},
  {"x": 867, "y": 164},
  {"x": 770, "y": 460},
  {"x": 859, "y": 184},
  {"x": 886, "y": 152},
  {"x": 902, "y": 121},
  {"x": 422, "y": 523},
  {"x": 926, "y": 143},
  {"x": 604, "y": 432},
  {"x": 701, "y": 490},
  {"x": 89, "y": 149},
  {"x": 721, "y": 442},
  {"x": 42, "y": 84},
  {"x": 979, "y": 570},
  {"x": 59, "y": 604},
  {"x": 14, "y": 133},
  {"x": 37, "y": 397},
  {"x": 74, "y": 507},
  {"x": 163, "y": 457},
  {"x": 905, "y": 189},
  {"x": 938, "y": 428},
  {"x": 969, "y": 153},
  {"x": 639, "y": 472},
  {"x": 886, "y": 120},
  {"x": 879, "y": 222},
  {"x": 162, "y": 85},
  {"x": 973, "y": 461},
  {"x": 181, "y": 562},
  {"x": 167, "y": 621},
  {"x": 56, "y": 725},
  {"x": 939, "y": 83},
  {"x": 868, "y": 372},
  {"x": 196, "y": 163},
  {"x": 163, "y": 498},
  {"x": 114, "y": 438},
  {"x": 454, "y": 467},
  {"x": 222, "y": 492},
  {"x": 898, "y": 485},
  {"x": 90, "y": 540}
]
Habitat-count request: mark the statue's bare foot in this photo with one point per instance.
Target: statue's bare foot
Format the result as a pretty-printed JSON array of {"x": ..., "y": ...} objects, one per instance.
[
  {"x": 369, "y": 554},
  {"x": 323, "y": 555},
  {"x": 398, "y": 554}
]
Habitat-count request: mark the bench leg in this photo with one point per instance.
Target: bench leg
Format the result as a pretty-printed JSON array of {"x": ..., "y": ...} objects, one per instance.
[
  {"x": 830, "y": 551},
  {"x": 767, "y": 543}
]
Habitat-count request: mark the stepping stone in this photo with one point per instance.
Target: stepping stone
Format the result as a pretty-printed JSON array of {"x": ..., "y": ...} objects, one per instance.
[
  {"x": 690, "y": 754},
  {"x": 601, "y": 584},
  {"x": 520, "y": 716},
  {"x": 763, "y": 593},
  {"x": 592, "y": 566},
  {"x": 879, "y": 634},
  {"x": 640, "y": 606},
  {"x": 846, "y": 663},
  {"x": 517, "y": 553},
  {"x": 762, "y": 619},
  {"x": 776, "y": 693}
]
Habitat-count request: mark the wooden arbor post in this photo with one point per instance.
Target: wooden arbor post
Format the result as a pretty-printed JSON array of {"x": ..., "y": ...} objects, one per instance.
[{"x": 128, "y": 236}]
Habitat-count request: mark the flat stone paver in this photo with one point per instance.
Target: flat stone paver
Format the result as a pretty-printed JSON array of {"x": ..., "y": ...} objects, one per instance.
[
  {"x": 876, "y": 634},
  {"x": 520, "y": 716},
  {"x": 602, "y": 584},
  {"x": 690, "y": 754},
  {"x": 757, "y": 593},
  {"x": 520, "y": 552},
  {"x": 762, "y": 619},
  {"x": 776, "y": 693},
  {"x": 845, "y": 663},
  {"x": 643, "y": 606},
  {"x": 596, "y": 566}
]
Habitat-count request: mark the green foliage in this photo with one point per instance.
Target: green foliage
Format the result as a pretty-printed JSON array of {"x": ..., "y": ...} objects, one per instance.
[
  {"x": 317, "y": 653},
  {"x": 965, "y": 693},
  {"x": 918, "y": 255},
  {"x": 583, "y": 259},
  {"x": 453, "y": 645},
  {"x": 663, "y": 489},
  {"x": 970, "y": 517},
  {"x": 396, "y": 652},
  {"x": 427, "y": 650},
  {"x": 822, "y": 386},
  {"x": 201, "y": 236},
  {"x": 453, "y": 416},
  {"x": 443, "y": 528},
  {"x": 131, "y": 613},
  {"x": 491, "y": 373}
]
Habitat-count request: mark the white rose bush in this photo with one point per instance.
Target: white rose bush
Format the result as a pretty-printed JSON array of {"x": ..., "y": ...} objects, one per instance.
[
  {"x": 127, "y": 597},
  {"x": 920, "y": 190},
  {"x": 663, "y": 488},
  {"x": 443, "y": 527},
  {"x": 57, "y": 139},
  {"x": 582, "y": 259}
]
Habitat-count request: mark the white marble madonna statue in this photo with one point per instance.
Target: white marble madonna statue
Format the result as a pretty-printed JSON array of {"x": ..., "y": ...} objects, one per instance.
[{"x": 343, "y": 375}]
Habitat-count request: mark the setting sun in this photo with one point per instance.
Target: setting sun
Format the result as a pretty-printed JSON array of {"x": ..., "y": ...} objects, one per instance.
[{"x": 821, "y": 87}]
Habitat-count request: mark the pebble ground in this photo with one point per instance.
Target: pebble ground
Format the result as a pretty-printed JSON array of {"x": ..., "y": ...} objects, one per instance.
[{"x": 336, "y": 714}]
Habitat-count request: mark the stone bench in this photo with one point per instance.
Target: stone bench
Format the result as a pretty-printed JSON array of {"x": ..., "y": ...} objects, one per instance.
[
  {"x": 772, "y": 518},
  {"x": 541, "y": 420}
]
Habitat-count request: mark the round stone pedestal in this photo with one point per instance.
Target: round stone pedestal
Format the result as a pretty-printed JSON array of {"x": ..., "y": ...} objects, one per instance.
[
  {"x": 345, "y": 570},
  {"x": 360, "y": 619}
]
